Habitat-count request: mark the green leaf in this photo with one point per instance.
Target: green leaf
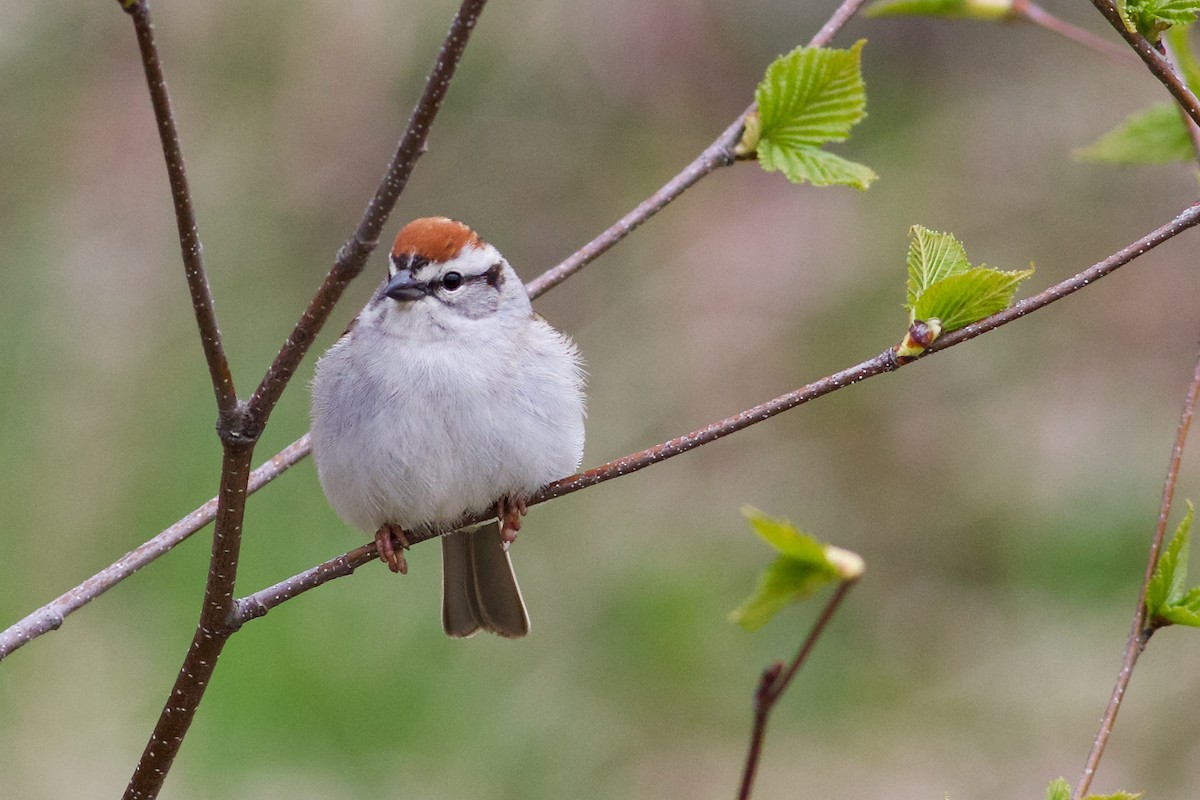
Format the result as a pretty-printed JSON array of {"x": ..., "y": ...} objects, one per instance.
[
  {"x": 814, "y": 166},
  {"x": 1167, "y": 603},
  {"x": 968, "y": 297},
  {"x": 1058, "y": 789},
  {"x": 932, "y": 257},
  {"x": 1166, "y": 584},
  {"x": 1114, "y": 796},
  {"x": 1156, "y": 135},
  {"x": 804, "y": 565},
  {"x": 954, "y": 9},
  {"x": 1180, "y": 47},
  {"x": 1151, "y": 17},
  {"x": 811, "y": 96}
]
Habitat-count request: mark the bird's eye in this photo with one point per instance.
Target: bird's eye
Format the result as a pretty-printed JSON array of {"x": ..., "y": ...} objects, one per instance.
[{"x": 452, "y": 280}]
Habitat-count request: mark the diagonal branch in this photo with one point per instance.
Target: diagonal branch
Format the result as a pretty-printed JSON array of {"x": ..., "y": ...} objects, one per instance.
[
  {"x": 352, "y": 257},
  {"x": 1032, "y": 12},
  {"x": 1140, "y": 631},
  {"x": 50, "y": 616},
  {"x": 261, "y": 602},
  {"x": 185, "y": 214},
  {"x": 716, "y": 155},
  {"x": 1155, "y": 61}
]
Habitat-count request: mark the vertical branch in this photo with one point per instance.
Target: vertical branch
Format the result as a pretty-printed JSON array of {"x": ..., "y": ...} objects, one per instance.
[
  {"x": 1140, "y": 631},
  {"x": 214, "y": 629},
  {"x": 352, "y": 257},
  {"x": 185, "y": 214}
]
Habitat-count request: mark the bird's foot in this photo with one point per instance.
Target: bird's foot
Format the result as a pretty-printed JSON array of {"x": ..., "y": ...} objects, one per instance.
[
  {"x": 510, "y": 510},
  {"x": 386, "y": 539}
]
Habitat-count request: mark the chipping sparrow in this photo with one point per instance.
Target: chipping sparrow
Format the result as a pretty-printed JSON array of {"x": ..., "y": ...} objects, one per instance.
[{"x": 446, "y": 397}]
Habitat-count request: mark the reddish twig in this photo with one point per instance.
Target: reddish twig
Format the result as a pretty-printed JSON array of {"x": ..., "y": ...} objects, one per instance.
[
  {"x": 1032, "y": 12},
  {"x": 1142, "y": 629},
  {"x": 345, "y": 564},
  {"x": 774, "y": 683},
  {"x": 1157, "y": 63},
  {"x": 50, "y": 616},
  {"x": 185, "y": 214}
]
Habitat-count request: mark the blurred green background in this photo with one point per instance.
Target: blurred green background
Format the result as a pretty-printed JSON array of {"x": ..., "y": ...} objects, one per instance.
[{"x": 1002, "y": 493}]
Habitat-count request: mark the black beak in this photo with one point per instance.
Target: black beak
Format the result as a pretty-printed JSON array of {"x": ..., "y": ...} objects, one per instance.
[{"x": 404, "y": 287}]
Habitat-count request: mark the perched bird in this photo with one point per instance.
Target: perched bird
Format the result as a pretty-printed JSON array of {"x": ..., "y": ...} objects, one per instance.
[{"x": 448, "y": 397}]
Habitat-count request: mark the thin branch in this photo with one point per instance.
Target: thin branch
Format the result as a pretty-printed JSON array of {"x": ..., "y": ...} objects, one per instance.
[
  {"x": 185, "y": 214},
  {"x": 345, "y": 564},
  {"x": 1159, "y": 66},
  {"x": 1140, "y": 630},
  {"x": 774, "y": 683},
  {"x": 1032, "y": 12},
  {"x": 352, "y": 257},
  {"x": 716, "y": 155},
  {"x": 50, "y": 616}
]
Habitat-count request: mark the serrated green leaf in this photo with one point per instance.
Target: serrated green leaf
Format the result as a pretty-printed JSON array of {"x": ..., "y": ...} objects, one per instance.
[
  {"x": 1058, "y": 789},
  {"x": 1175, "y": 12},
  {"x": 1151, "y": 17},
  {"x": 953, "y": 9},
  {"x": 932, "y": 257},
  {"x": 968, "y": 297},
  {"x": 1166, "y": 584},
  {"x": 1114, "y": 796},
  {"x": 811, "y": 96},
  {"x": 1156, "y": 135},
  {"x": 811, "y": 165},
  {"x": 800, "y": 570}
]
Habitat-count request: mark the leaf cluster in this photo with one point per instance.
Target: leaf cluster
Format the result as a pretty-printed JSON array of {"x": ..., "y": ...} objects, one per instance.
[{"x": 945, "y": 291}]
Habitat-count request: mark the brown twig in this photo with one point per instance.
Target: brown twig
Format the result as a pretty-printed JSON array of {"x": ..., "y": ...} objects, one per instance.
[
  {"x": 716, "y": 155},
  {"x": 1032, "y": 12},
  {"x": 345, "y": 564},
  {"x": 1141, "y": 629},
  {"x": 185, "y": 214},
  {"x": 352, "y": 257},
  {"x": 1159, "y": 66},
  {"x": 50, "y": 616},
  {"x": 775, "y": 681}
]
